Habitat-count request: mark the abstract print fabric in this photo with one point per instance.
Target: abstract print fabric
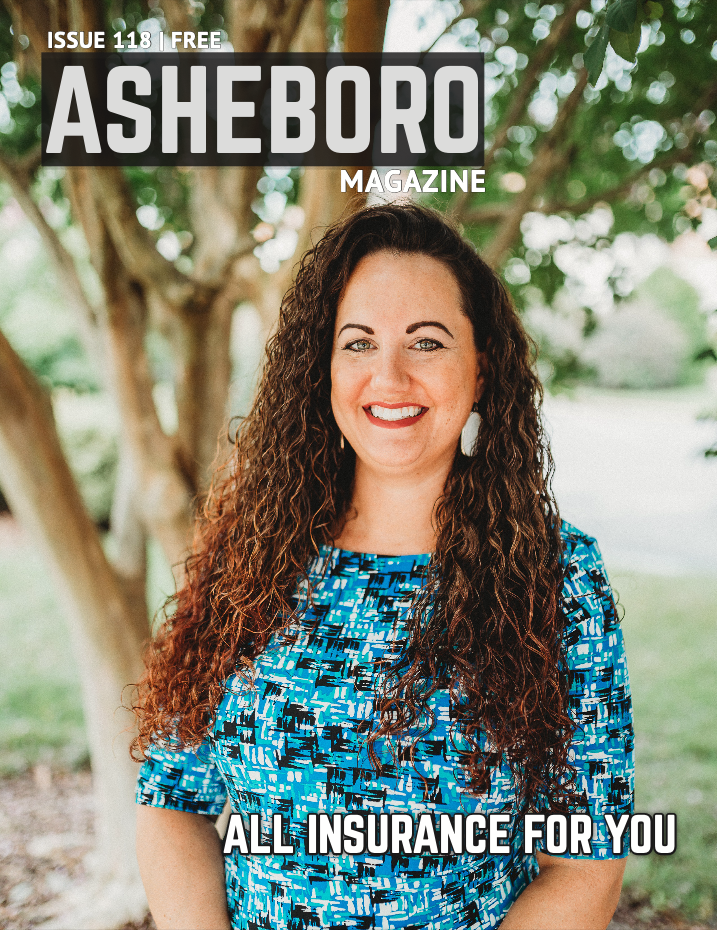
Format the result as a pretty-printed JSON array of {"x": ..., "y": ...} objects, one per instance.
[{"x": 295, "y": 744}]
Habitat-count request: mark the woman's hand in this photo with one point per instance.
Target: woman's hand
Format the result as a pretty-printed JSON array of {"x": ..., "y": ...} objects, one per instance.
[
  {"x": 181, "y": 864},
  {"x": 569, "y": 894}
]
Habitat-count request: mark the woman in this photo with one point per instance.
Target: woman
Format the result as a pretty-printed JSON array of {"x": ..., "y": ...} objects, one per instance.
[{"x": 384, "y": 614}]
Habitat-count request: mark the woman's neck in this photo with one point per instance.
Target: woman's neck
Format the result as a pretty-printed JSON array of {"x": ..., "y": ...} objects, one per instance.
[{"x": 391, "y": 515}]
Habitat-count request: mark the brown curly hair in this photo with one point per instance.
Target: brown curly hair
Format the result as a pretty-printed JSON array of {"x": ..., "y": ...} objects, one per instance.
[{"x": 488, "y": 621}]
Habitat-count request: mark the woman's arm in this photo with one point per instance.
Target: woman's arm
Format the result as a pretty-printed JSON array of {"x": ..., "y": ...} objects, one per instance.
[
  {"x": 569, "y": 894},
  {"x": 181, "y": 864}
]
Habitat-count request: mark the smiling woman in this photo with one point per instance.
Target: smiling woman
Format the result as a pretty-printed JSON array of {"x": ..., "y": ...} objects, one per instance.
[
  {"x": 405, "y": 374},
  {"x": 384, "y": 615}
]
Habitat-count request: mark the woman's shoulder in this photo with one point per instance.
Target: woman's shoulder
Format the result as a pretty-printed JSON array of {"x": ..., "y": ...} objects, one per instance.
[
  {"x": 578, "y": 546},
  {"x": 587, "y": 595}
]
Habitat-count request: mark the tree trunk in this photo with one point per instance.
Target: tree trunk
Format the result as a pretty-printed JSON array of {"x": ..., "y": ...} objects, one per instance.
[
  {"x": 162, "y": 493},
  {"x": 203, "y": 374},
  {"x": 128, "y": 540},
  {"x": 107, "y": 635},
  {"x": 365, "y": 25}
]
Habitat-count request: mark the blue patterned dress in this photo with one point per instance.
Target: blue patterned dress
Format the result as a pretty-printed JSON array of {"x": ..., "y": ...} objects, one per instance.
[{"x": 295, "y": 745}]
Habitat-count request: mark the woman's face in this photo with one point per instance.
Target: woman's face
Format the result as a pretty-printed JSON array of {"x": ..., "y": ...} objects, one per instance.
[{"x": 405, "y": 370}]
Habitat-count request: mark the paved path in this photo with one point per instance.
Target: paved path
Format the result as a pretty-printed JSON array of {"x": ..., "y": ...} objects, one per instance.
[{"x": 630, "y": 471}]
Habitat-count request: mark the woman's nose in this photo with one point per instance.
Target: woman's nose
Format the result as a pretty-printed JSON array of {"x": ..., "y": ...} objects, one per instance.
[{"x": 390, "y": 371}]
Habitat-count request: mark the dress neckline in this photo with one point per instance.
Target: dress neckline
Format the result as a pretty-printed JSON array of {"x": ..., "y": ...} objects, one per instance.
[{"x": 328, "y": 551}]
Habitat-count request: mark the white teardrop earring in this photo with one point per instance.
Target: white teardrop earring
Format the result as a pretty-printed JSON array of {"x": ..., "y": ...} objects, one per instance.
[
  {"x": 341, "y": 442},
  {"x": 469, "y": 433}
]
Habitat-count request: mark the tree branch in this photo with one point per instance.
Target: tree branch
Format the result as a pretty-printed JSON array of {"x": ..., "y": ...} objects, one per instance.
[
  {"x": 248, "y": 25},
  {"x": 237, "y": 190},
  {"x": 610, "y": 193},
  {"x": 164, "y": 498},
  {"x": 86, "y": 15},
  {"x": 178, "y": 16},
  {"x": 78, "y": 190},
  {"x": 136, "y": 246},
  {"x": 519, "y": 100},
  {"x": 19, "y": 174},
  {"x": 493, "y": 212},
  {"x": 263, "y": 25},
  {"x": 471, "y": 10},
  {"x": 128, "y": 537},
  {"x": 482, "y": 216},
  {"x": 288, "y": 25},
  {"x": 365, "y": 25},
  {"x": 42, "y": 492},
  {"x": 538, "y": 63},
  {"x": 624, "y": 186},
  {"x": 35, "y": 18},
  {"x": 220, "y": 206},
  {"x": 542, "y": 165}
]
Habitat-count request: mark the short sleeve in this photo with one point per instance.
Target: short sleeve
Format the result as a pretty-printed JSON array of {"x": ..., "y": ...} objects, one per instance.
[
  {"x": 602, "y": 750},
  {"x": 181, "y": 781}
]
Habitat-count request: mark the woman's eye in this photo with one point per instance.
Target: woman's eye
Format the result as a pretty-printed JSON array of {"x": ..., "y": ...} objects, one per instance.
[
  {"x": 428, "y": 345},
  {"x": 358, "y": 345}
]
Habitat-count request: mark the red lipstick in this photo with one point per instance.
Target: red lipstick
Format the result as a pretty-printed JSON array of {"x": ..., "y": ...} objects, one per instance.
[{"x": 393, "y": 424}]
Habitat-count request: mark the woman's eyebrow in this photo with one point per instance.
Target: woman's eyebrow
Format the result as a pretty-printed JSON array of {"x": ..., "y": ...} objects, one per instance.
[
  {"x": 364, "y": 329},
  {"x": 414, "y": 326}
]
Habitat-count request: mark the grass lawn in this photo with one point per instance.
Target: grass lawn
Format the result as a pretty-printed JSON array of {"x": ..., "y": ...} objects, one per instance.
[
  {"x": 41, "y": 719},
  {"x": 40, "y": 710},
  {"x": 670, "y": 630},
  {"x": 671, "y": 634}
]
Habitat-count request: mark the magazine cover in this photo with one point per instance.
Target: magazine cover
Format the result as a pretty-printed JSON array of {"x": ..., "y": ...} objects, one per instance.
[{"x": 358, "y": 423}]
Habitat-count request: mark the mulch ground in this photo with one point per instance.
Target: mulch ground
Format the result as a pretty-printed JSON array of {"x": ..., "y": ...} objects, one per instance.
[{"x": 46, "y": 832}]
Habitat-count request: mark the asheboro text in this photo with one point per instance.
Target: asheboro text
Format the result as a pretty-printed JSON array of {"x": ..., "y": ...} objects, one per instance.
[{"x": 144, "y": 108}]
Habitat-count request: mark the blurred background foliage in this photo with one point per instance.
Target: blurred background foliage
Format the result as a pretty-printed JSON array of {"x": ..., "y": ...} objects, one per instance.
[{"x": 639, "y": 159}]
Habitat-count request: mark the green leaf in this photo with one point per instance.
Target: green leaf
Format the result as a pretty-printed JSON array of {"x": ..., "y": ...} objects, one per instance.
[
  {"x": 626, "y": 44},
  {"x": 595, "y": 54},
  {"x": 712, "y": 242},
  {"x": 621, "y": 15},
  {"x": 653, "y": 10}
]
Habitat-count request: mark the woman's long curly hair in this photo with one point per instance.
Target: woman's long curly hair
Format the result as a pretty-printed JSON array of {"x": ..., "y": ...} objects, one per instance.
[{"x": 488, "y": 621}]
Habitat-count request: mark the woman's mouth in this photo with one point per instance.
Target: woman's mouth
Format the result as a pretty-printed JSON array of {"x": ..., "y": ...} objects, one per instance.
[{"x": 394, "y": 417}]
